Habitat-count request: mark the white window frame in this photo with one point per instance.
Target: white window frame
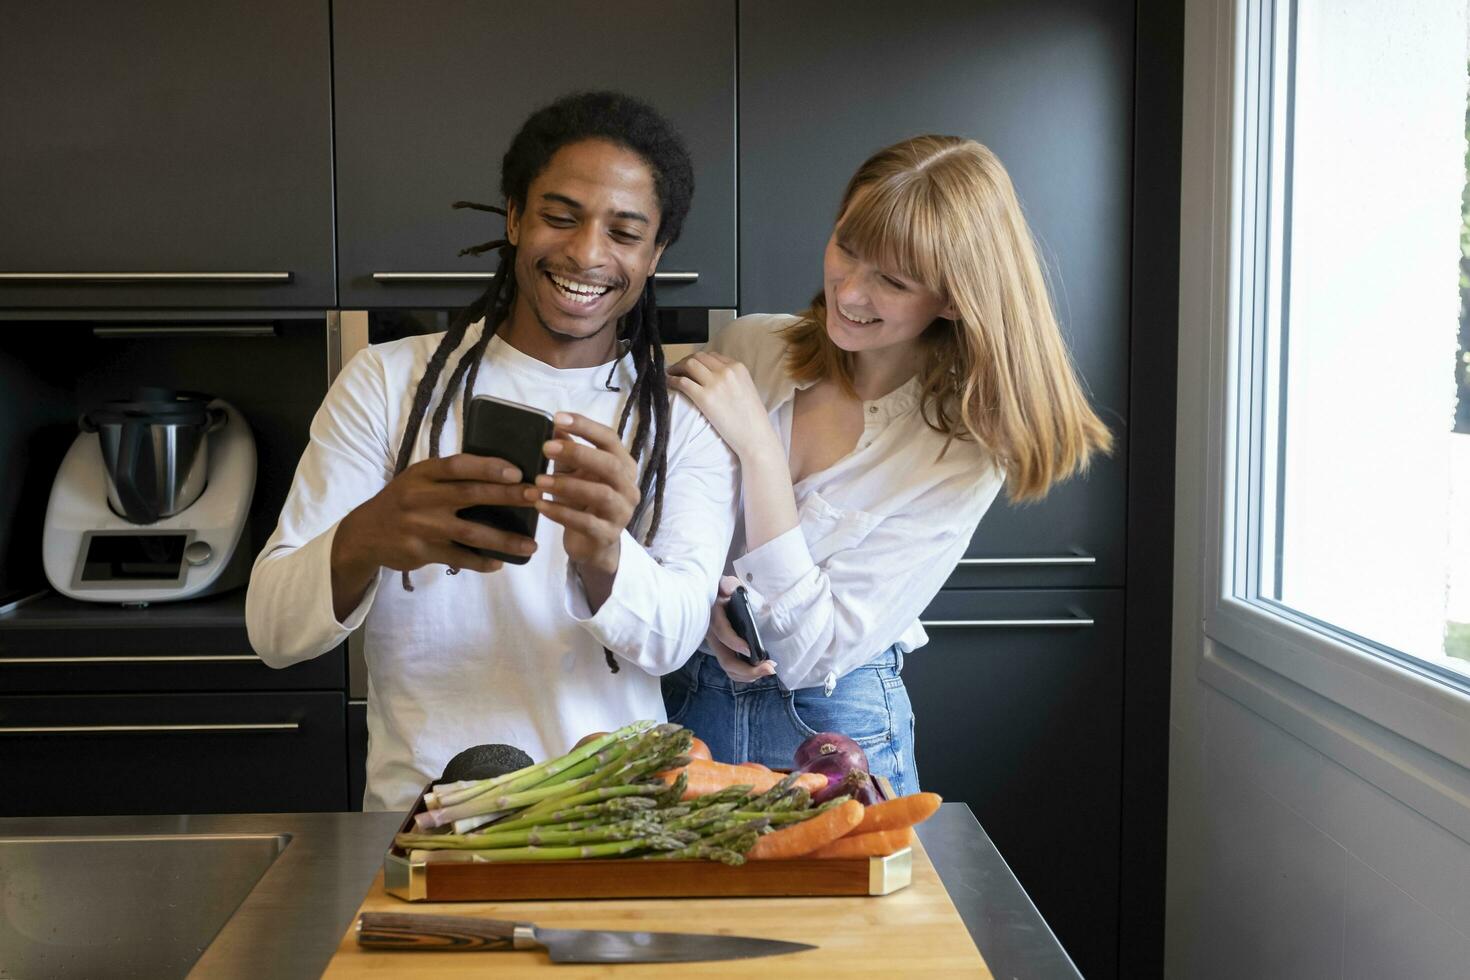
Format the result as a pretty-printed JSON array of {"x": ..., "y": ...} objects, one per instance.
[{"x": 1400, "y": 726}]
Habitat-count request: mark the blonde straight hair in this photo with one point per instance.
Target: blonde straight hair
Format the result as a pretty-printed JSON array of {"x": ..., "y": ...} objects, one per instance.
[{"x": 941, "y": 210}]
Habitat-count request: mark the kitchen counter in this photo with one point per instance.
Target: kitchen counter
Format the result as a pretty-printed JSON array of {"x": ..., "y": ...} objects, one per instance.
[{"x": 291, "y": 921}]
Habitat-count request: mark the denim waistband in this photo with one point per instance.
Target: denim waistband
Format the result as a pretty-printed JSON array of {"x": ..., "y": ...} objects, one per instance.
[{"x": 709, "y": 673}]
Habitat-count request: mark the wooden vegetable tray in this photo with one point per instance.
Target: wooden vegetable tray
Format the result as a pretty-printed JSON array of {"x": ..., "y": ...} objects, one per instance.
[{"x": 634, "y": 878}]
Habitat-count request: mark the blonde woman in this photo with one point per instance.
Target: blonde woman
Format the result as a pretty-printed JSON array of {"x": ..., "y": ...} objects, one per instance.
[{"x": 873, "y": 431}]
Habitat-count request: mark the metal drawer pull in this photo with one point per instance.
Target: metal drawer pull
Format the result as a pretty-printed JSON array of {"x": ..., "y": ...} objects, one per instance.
[
  {"x": 144, "y": 277},
  {"x": 1008, "y": 623},
  {"x": 272, "y": 726},
  {"x": 173, "y": 333},
  {"x": 487, "y": 276},
  {"x": 128, "y": 660},
  {"x": 1038, "y": 560}
]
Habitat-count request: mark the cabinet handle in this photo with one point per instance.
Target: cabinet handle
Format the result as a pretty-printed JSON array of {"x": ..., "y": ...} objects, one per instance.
[
  {"x": 487, "y": 276},
  {"x": 173, "y": 333},
  {"x": 271, "y": 726},
  {"x": 129, "y": 660},
  {"x": 1037, "y": 560},
  {"x": 84, "y": 278},
  {"x": 1008, "y": 623}
]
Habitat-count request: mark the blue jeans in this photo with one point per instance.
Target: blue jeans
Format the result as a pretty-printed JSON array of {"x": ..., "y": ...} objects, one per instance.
[{"x": 763, "y": 722}]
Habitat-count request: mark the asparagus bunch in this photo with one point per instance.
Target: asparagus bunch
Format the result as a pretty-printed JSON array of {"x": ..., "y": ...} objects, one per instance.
[{"x": 604, "y": 799}]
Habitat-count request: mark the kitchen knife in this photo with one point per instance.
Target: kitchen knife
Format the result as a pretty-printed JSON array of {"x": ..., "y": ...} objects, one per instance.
[{"x": 412, "y": 931}]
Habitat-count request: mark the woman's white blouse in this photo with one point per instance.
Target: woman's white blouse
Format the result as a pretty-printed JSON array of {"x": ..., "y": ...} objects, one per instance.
[{"x": 879, "y": 530}]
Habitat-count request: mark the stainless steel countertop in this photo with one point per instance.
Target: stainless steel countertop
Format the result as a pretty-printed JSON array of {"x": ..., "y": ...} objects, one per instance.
[{"x": 291, "y": 922}]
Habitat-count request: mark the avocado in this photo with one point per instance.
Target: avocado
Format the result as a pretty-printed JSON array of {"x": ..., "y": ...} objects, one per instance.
[{"x": 485, "y": 762}]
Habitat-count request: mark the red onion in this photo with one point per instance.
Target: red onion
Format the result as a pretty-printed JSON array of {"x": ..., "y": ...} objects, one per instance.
[
  {"x": 834, "y": 767},
  {"x": 826, "y": 744}
]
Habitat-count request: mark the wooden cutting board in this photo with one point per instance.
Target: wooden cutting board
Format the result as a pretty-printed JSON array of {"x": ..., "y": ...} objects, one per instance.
[{"x": 916, "y": 931}]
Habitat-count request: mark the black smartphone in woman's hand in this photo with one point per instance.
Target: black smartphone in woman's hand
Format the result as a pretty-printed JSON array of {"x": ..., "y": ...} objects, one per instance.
[
  {"x": 515, "y": 433},
  {"x": 743, "y": 622}
]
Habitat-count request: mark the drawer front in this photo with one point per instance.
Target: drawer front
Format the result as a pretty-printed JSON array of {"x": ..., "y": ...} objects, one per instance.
[
  {"x": 84, "y": 661},
  {"x": 1075, "y": 538},
  {"x": 1018, "y": 712},
  {"x": 172, "y": 753}
]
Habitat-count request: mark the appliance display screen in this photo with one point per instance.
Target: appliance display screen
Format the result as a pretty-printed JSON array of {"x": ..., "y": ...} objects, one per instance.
[{"x": 134, "y": 557}]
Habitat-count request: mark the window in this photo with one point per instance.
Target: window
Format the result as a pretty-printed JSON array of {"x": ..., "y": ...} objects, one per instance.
[{"x": 1348, "y": 496}]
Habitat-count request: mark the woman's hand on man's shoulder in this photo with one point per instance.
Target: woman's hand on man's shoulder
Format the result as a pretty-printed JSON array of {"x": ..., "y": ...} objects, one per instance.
[{"x": 722, "y": 389}]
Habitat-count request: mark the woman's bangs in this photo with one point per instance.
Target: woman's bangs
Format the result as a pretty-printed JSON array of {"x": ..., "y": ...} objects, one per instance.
[{"x": 892, "y": 225}]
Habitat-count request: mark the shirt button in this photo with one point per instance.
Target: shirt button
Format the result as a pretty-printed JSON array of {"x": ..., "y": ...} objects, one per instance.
[
  {"x": 872, "y": 409},
  {"x": 749, "y": 577}
]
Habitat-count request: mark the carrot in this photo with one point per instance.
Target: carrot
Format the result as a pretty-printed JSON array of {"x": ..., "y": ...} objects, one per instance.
[
  {"x": 811, "y": 782},
  {"x": 899, "y": 812},
  {"x": 802, "y": 838},
  {"x": 698, "y": 750},
  {"x": 706, "y": 776},
  {"x": 699, "y": 781},
  {"x": 876, "y": 844}
]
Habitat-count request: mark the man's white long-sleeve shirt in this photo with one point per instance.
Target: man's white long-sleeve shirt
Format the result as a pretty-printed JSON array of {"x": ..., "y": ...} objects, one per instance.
[
  {"x": 515, "y": 656},
  {"x": 878, "y": 531}
]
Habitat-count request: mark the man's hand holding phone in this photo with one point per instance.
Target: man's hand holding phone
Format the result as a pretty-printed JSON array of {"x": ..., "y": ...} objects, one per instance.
[
  {"x": 592, "y": 494},
  {"x": 414, "y": 521}
]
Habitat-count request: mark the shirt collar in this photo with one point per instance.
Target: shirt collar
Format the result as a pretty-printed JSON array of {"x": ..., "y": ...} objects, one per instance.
[
  {"x": 502, "y": 354},
  {"x": 896, "y": 402},
  {"x": 890, "y": 406}
]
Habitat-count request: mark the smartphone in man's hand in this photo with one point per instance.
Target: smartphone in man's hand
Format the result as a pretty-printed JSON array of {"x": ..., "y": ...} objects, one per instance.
[
  {"x": 742, "y": 621},
  {"x": 515, "y": 433}
]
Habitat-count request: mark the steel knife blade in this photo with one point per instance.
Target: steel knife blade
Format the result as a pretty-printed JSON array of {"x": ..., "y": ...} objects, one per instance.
[{"x": 463, "y": 933}]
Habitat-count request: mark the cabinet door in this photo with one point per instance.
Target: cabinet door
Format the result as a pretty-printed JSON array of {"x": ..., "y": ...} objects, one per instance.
[
  {"x": 1075, "y": 537},
  {"x": 1048, "y": 87},
  {"x": 1018, "y": 706},
  {"x": 167, "y": 138},
  {"x": 172, "y": 753},
  {"x": 428, "y": 96},
  {"x": 357, "y": 746}
]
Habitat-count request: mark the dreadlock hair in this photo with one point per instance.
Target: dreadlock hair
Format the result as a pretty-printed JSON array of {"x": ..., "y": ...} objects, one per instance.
[{"x": 634, "y": 126}]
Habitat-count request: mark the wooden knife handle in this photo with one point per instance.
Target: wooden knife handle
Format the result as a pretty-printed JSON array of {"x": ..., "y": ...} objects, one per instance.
[{"x": 406, "y": 930}]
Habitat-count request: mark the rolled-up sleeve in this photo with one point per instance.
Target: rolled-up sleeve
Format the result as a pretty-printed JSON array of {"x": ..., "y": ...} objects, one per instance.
[
  {"x": 289, "y": 612},
  {"x": 819, "y": 621},
  {"x": 659, "y": 607}
]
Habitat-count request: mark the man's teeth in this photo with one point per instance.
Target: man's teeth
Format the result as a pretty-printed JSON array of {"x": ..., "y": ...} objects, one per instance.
[
  {"x": 578, "y": 292},
  {"x": 857, "y": 319}
]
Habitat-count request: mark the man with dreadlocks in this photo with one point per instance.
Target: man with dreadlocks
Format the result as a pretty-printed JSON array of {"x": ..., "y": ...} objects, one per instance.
[{"x": 626, "y": 562}]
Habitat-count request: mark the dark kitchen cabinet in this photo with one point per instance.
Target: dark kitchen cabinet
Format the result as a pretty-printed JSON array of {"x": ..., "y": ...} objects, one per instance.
[
  {"x": 428, "y": 96},
  {"x": 58, "y": 645},
  {"x": 124, "y": 704},
  {"x": 1048, "y": 87},
  {"x": 1018, "y": 707},
  {"x": 172, "y": 753},
  {"x": 1074, "y": 538},
  {"x": 167, "y": 138},
  {"x": 357, "y": 746}
]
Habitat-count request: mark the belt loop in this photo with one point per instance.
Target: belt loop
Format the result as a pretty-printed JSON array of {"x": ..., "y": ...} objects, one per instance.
[
  {"x": 697, "y": 661},
  {"x": 897, "y": 659}
]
